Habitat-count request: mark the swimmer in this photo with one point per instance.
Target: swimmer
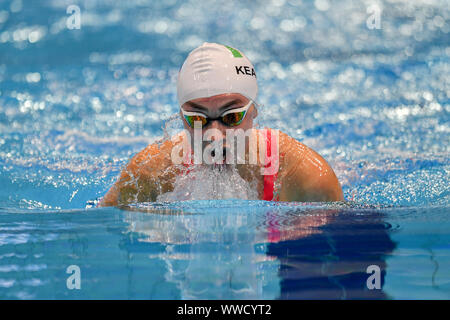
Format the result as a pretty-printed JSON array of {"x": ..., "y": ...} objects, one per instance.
[{"x": 217, "y": 89}]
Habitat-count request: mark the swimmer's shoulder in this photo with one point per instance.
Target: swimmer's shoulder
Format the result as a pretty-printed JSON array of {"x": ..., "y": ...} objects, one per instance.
[
  {"x": 289, "y": 147},
  {"x": 306, "y": 174},
  {"x": 146, "y": 170},
  {"x": 156, "y": 153},
  {"x": 295, "y": 151}
]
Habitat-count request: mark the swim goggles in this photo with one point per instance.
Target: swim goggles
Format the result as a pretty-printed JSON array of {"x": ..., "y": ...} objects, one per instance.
[{"x": 229, "y": 118}]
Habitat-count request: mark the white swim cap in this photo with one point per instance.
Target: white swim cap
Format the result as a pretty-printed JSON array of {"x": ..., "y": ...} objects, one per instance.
[{"x": 213, "y": 69}]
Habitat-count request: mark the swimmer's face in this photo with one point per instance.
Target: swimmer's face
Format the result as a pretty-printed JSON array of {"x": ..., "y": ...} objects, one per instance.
[{"x": 215, "y": 106}]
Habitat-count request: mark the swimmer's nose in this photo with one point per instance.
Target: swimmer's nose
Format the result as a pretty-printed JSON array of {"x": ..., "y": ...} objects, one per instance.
[{"x": 216, "y": 124}]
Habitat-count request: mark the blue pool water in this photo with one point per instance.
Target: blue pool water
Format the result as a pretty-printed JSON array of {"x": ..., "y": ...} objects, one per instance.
[{"x": 75, "y": 105}]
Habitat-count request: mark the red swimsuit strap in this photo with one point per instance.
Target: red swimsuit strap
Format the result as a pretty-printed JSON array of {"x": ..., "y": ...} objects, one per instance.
[
  {"x": 273, "y": 233},
  {"x": 269, "y": 180}
]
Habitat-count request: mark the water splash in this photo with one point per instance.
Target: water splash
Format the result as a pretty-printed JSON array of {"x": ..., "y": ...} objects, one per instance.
[{"x": 211, "y": 182}]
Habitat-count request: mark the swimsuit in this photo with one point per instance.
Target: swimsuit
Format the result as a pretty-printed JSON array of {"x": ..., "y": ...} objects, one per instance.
[{"x": 269, "y": 193}]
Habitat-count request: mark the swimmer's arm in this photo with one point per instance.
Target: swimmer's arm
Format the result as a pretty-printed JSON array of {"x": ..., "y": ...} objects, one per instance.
[
  {"x": 309, "y": 178},
  {"x": 123, "y": 189},
  {"x": 141, "y": 179},
  {"x": 110, "y": 198}
]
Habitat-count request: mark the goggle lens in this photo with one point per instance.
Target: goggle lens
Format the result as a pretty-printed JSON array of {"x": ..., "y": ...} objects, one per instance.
[
  {"x": 233, "y": 119},
  {"x": 191, "y": 119}
]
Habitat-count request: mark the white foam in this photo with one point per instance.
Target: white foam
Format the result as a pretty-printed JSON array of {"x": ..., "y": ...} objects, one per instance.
[{"x": 211, "y": 182}]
